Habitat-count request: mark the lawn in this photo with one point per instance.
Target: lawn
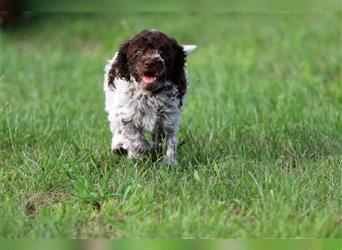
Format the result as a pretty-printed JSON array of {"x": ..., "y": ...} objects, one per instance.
[{"x": 262, "y": 130}]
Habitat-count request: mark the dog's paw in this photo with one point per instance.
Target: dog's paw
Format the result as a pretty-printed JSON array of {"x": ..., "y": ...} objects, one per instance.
[{"x": 119, "y": 151}]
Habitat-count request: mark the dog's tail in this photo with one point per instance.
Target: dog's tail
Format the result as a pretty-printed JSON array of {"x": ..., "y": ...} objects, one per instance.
[{"x": 189, "y": 48}]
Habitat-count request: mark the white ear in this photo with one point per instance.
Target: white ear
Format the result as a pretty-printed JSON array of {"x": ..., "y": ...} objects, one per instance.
[{"x": 189, "y": 48}]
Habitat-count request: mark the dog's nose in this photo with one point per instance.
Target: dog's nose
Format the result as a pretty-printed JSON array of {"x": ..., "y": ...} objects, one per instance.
[{"x": 155, "y": 62}]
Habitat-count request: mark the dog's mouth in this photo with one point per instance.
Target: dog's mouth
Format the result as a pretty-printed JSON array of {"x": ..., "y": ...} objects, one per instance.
[{"x": 149, "y": 78}]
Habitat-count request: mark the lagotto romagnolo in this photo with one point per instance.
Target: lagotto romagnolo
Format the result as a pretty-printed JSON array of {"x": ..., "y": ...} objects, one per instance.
[{"x": 145, "y": 84}]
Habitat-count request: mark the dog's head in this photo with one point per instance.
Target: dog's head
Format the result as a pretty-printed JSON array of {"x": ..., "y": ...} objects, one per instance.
[{"x": 150, "y": 57}]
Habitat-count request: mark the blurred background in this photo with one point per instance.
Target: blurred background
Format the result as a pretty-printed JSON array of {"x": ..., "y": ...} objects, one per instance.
[{"x": 13, "y": 10}]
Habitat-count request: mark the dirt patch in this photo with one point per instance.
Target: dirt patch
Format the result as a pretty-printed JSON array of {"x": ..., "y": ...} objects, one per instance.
[{"x": 37, "y": 201}]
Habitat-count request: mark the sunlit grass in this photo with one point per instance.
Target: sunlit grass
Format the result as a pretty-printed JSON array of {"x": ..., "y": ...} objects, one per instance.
[{"x": 262, "y": 128}]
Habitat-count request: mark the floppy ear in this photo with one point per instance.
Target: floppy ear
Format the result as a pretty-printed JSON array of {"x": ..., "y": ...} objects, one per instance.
[
  {"x": 178, "y": 75},
  {"x": 118, "y": 67}
]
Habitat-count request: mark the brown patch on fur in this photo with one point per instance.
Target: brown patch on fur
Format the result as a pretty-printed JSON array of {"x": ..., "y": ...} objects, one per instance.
[
  {"x": 120, "y": 66},
  {"x": 178, "y": 76}
]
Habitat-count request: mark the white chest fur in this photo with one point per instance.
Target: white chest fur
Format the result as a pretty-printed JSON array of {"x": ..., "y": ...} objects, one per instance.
[{"x": 129, "y": 103}]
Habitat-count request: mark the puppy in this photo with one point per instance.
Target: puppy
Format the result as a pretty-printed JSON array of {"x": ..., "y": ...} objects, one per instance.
[{"x": 145, "y": 84}]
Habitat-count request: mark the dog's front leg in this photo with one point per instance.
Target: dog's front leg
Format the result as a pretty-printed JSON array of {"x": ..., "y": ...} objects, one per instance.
[
  {"x": 171, "y": 141},
  {"x": 136, "y": 142},
  {"x": 158, "y": 136}
]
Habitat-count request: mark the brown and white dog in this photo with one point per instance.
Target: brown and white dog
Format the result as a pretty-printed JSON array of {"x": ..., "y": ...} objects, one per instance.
[{"x": 145, "y": 85}]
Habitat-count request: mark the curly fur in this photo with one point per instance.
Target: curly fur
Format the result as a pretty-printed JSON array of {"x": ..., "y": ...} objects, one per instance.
[{"x": 134, "y": 108}]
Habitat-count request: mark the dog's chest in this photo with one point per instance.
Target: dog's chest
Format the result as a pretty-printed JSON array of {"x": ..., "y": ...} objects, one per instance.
[{"x": 147, "y": 111}]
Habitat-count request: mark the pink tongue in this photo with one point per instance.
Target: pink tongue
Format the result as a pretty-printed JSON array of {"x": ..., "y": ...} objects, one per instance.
[{"x": 149, "y": 79}]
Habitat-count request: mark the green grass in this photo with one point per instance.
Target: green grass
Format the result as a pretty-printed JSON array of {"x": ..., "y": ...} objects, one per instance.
[{"x": 262, "y": 126}]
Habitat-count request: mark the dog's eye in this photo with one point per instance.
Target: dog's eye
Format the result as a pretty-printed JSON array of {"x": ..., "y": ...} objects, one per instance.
[{"x": 138, "y": 52}]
